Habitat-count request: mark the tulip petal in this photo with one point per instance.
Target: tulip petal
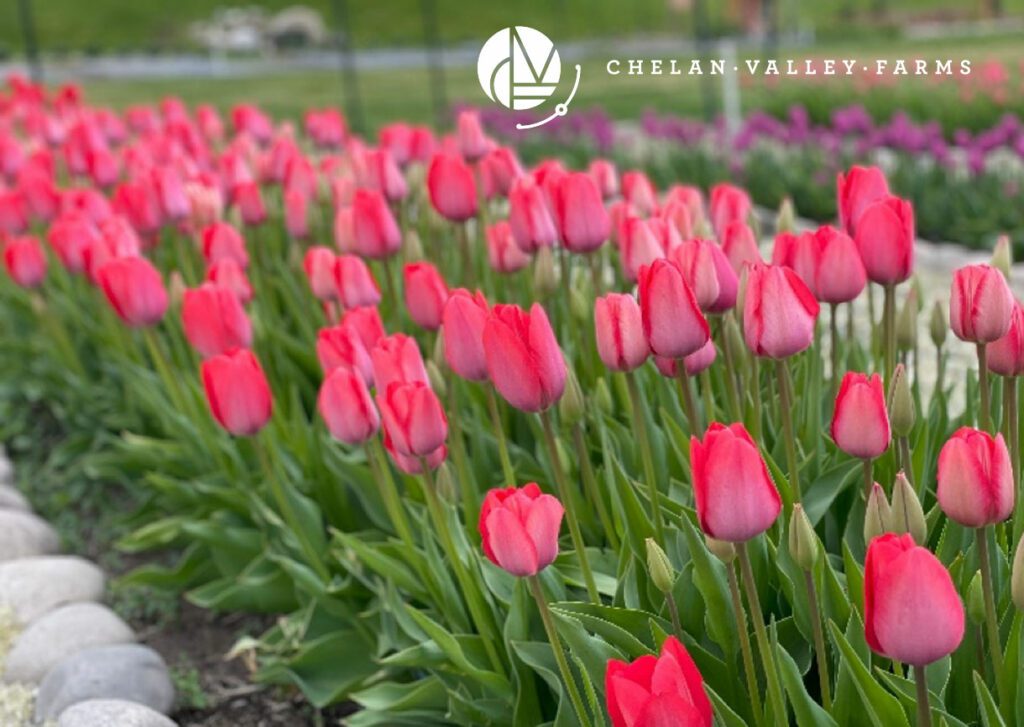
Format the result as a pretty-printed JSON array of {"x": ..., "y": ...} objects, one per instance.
[{"x": 511, "y": 544}]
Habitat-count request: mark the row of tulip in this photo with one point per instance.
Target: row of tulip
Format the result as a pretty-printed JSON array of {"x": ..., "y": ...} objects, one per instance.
[{"x": 320, "y": 466}]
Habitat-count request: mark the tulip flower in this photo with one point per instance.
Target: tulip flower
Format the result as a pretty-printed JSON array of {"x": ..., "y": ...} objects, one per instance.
[
  {"x": 519, "y": 529},
  {"x": 530, "y": 218},
  {"x": 583, "y": 221},
  {"x": 778, "y": 313},
  {"x": 619, "y": 330},
  {"x": 857, "y": 190},
  {"x": 341, "y": 347},
  {"x": 367, "y": 323},
  {"x": 499, "y": 169},
  {"x": 237, "y": 392},
  {"x": 524, "y": 361},
  {"x": 695, "y": 363},
  {"x": 1005, "y": 356},
  {"x": 354, "y": 283},
  {"x": 413, "y": 417},
  {"x": 25, "y": 261},
  {"x": 672, "y": 321},
  {"x": 975, "y": 479},
  {"x": 425, "y": 294},
  {"x": 639, "y": 246},
  {"x": 980, "y": 304},
  {"x": 227, "y": 273},
  {"x": 396, "y": 358},
  {"x": 345, "y": 404},
  {"x": 639, "y": 192},
  {"x": 214, "y": 320},
  {"x": 319, "y": 265},
  {"x": 452, "y": 187},
  {"x": 885, "y": 238},
  {"x": 473, "y": 142},
  {"x": 605, "y": 176},
  {"x": 503, "y": 253},
  {"x": 415, "y": 465},
  {"x": 220, "y": 240},
  {"x": 249, "y": 200},
  {"x": 465, "y": 315},
  {"x": 860, "y": 421},
  {"x": 658, "y": 691},
  {"x": 374, "y": 230},
  {"x": 296, "y": 214},
  {"x": 134, "y": 289},
  {"x": 740, "y": 245},
  {"x": 698, "y": 268},
  {"x": 836, "y": 273},
  {"x": 728, "y": 204}
]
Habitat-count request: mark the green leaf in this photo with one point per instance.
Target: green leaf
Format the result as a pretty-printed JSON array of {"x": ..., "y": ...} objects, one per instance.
[
  {"x": 808, "y": 712},
  {"x": 881, "y": 708},
  {"x": 990, "y": 716}
]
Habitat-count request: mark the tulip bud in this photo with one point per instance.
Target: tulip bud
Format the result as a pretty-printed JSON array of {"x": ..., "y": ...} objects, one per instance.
[
  {"x": 579, "y": 306},
  {"x": 176, "y": 287},
  {"x": 1002, "y": 256},
  {"x": 445, "y": 482},
  {"x": 976, "y": 600},
  {"x": 721, "y": 549},
  {"x": 937, "y": 325},
  {"x": 545, "y": 278},
  {"x": 804, "y": 546},
  {"x": 901, "y": 403},
  {"x": 436, "y": 378},
  {"x": 734, "y": 340},
  {"x": 603, "y": 397},
  {"x": 785, "y": 221},
  {"x": 437, "y": 354},
  {"x": 413, "y": 246},
  {"x": 906, "y": 514},
  {"x": 877, "y": 514},
  {"x": 1017, "y": 576},
  {"x": 659, "y": 567},
  {"x": 906, "y": 322},
  {"x": 572, "y": 406}
]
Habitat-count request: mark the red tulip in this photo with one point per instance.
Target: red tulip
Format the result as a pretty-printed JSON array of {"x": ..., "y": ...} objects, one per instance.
[
  {"x": 638, "y": 190},
  {"x": 640, "y": 245},
  {"x": 529, "y": 216},
  {"x": 13, "y": 212},
  {"x": 354, "y": 283},
  {"x": 228, "y": 274},
  {"x": 413, "y": 417},
  {"x": 856, "y": 191},
  {"x": 344, "y": 230},
  {"x": 690, "y": 197},
  {"x": 605, "y": 176},
  {"x": 249, "y": 199},
  {"x": 619, "y": 329},
  {"x": 134, "y": 289},
  {"x": 464, "y": 318},
  {"x": 365, "y": 321},
  {"x": 237, "y": 392},
  {"x": 912, "y": 612},
  {"x": 735, "y": 497},
  {"x": 582, "y": 219},
  {"x": 396, "y": 358},
  {"x": 296, "y": 214},
  {"x": 728, "y": 204},
  {"x": 452, "y": 187},
  {"x": 69, "y": 236},
  {"x": 975, "y": 478},
  {"x": 519, "y": 528},
  {"x": 221, "y": 240},
  {"x": 1006, "y": 355},
  {"x": 503, "y": 253},
  {"x": 214, "y": 320},
  {"x": 25, "y": 261},
  {"x": 838, "y": 273},
  {"x": 980, "y": 304},
  {"x": 860, "y": 422},
  {"x": 709, "y": 274},
  {"x": 473, "y": 142},
  {"x": 341, "y": 347},
  {"x": 779, "y": 312},
  {"x": 319, "y": 265},
  {"x": 672, "y": 321},
  {"x": 425, "y": 294},
  {"x": 677, "y": 214},
  {"x": 498, "y": 170},
  {"x": 380, "y": 172},
  {"x": 346, "y": 406},
  {"x": 375, "y": 233},
  {"x": 414, "y": 465},
  {"x": 885, "y": 239},
  {"x": 662, "y": 691},
  {"x": 524, "y": 361},
  {"x": 694, "y": 363}
]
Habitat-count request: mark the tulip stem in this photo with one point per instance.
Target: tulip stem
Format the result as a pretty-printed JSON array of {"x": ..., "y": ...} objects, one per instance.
[
  {"x": 834, "y": 340},
  {"x": 642, "y": 435},
  {"x": 1010, "y": 386},
  {"x": 465, "y": 246},
  {"x": 499, "y": 433},
  {"x": 869, "y": 477},
  {"x": 590, "y": 484},
  {"x": 819, "y": 641},
  {"x": 673, "y": 612},
  {"x": 924, "y": 710},
  {"x": 731, "y": 387},
  {"x": 748, "y": 653},
  {"x": 905, "y": 461},
  {"x": 556, "y": 646},
  {"x": 889, "y": 328},
  {"x": 469, "y": 589},
  {"x": 985, "y": 410},
  {"x": 755, "y": 391},
  {"x": 786, "y": 402},
  {"x": 467, "y": 485},
  {"x": 991, "y": 623},
  {"x": 389, "y": 288},
  {"x": 596, "y": 271},
  {"x": 388, "y": 491},
  {"x": 775, "y": 697},
  {"x": 163, "y": 370},
  {"x": 689, "y": 407},
  {"x": 569, "y": 502}
]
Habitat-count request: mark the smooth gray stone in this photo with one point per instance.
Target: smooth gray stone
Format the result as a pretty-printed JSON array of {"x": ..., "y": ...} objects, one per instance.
[
  {"x": 34, "y": 586},
  {"x": 12, "y": 499},
  {"x": 130, "y": 672},
  {"x": 59, "y": 634},
  {"x": 23, "y": 534},
  {"x": 112, "y": 713}
]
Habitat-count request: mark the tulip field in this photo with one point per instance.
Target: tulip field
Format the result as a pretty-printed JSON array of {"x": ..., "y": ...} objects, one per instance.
[{"x": 497, "y": 443}]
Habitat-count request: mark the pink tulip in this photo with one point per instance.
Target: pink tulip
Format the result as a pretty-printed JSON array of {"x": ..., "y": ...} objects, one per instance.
[
  {"x": 237, "y": 392},
  {"x": 69, "y": 236},
  {"x": 375, "y": 233},
  {"x": 694, "y": 363},
  {"x": 250, "y": 203},
  {"x": 345, "y": 404},
  {"x": 341, "y": 347},
  {"x": 134, "y": 289},
  {"x": 857, "y": 190},
  {"x": 860, "y": 422},
  {"x": 319, "y": 265},
  {"x": 464, "y": 318},
  {"x": 690, "y": 197},
  {"x": 980, "y": 304},
  {"x": 296, "y": 214},
  {"x": 529, "y": 216},
  {"x": 677, "y": 214},
  {"x": 25, "y": 261},
  {"x": 220, "y": 240},
  {"x": 425, "y": 294},
  {"x": 779, "y": 312},
  {"x": 227, "y": 273},
  {"x": 413, "y": 417},
  {"x": 498, "y": 170},
  {"x": 885, "y": 239},
  {"x": 366, "y": 321},
  {"x": 582, "y": 219},
  {"x": 619, "y": 330},
  {"x": 639, "y": 192},
  {"x": 214, "y": 320},
  {"x": 524, "y": 361},
  {"x": 503, "y": 253},
  {"x": 975, "y": 478},
  {"x": 605, "y": 176},
  {"x": 473, "y": 142},
  {"x": 354, "y": 283},
  {"x": 396, "y": 358},
  {"x": 640, "y": 246},
  {"x": 728, "y": 204},
  {"x": 519, "y": 529},
  {"x": 452, "y": 187},
  {"x": 838, "y": 273},
  {"x": 708, "y": 274},
  {"x": 1006, "y": 355},
  {"x": 672, "y": 321}
]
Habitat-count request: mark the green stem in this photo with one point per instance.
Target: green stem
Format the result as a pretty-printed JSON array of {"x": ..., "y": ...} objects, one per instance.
[
  {"x": 568, "y": 501},
  {"x": 869, "y": 476},
  {"x": 467, "y": 485},
  {"x": 834, "y": 340},
  {"x": 819, "y": 641},
  {"x": 673, "y": 612},
  {"x": 499, "y": 433},
  {"x": 905, "y": 461},
  {"x": 643, "y": 438},
  {"x": 756, "y": 393},
  {"x": 163, "y": 369},
  {"x": 940, "y": 368},
  {"x": 985, "y": 410},
  {"x": 924, "y": 711},
  {"x": 775, "y": 697},
  {"x": 707, "y": 395},
  {"x": 689, "y": 408},
  {"x": 991, "y": 623},
  {"x": 388, "y": 491},
  {"x": 465, "y": 247},
  {"x": 1010, "y": 385},
  {"x": 748, "y": 653},
  {"x": 590, "y": 485},
  {"x": 889, "y": 327},
  {"x": 786, "y": 402},
  {"x": 389, "y": 290},
  {"x": 731, "y": 387},
  {"x": 556, "y": 646}
]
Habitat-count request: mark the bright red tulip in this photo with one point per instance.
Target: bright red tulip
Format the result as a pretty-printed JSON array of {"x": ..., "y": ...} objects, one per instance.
[
  {"x": 662, "y": 691},
  {"x": 729, "y": 204},
  {"x": 25, "y": 261},
  {"x": 69, "y": 236},
  {"x": 673, "y": 323},
  {"x": 1006, "y": 355},
  {"x": 503, "y": 253},
  {"x": 912, "y": 612},
  {"x": 618, "y": 326},
  {"x": 885, "y": 239},
  {"x": 519, "y": 528},
  {"x": 735, "y": 497},
  {"x": 975, "y": 478},
  {"x": 341, "y": 346},
  {"x": 13, "y": 212},
  {"x": 980, "y": 304},
  {"x": 237, "y": 392},
  {"x": 464, "y": 318},
  {"x": 220, "y": 240},
  {"x": 134, "y": 289},
  {"x": 452, "y": 187},
  {"x": 425, "y": 294},
  {"x": 396, "y": 358},
  {"x": 857, "y": 190},
  {"x": 524, "y": 361},
  {"x": 375, "y": 233},
  {"x": 860, "y": 422},
  {"x": 346, "y": 406},
  {"x": 779, "y": 312},
  {"x": 413, "y": 417},
  {"x": 532, "y": 225},
  {"x": 227, "y": 273},
  {"x": 354, "y": 282},
  {"x": 214, "y": 320},
  {"x": 319, "y": 265},
  {"x": 582, "y": 219}
]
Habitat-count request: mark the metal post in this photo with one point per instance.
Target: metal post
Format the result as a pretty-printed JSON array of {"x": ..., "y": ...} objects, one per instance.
[
  {"x": 349, "y": 76},
  {"x": 435, "y": 62},
  {"x": 28, "y": 30}
]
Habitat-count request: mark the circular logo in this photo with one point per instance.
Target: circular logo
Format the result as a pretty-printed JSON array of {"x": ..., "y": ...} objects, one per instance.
[{"x": 519, "y": 67}]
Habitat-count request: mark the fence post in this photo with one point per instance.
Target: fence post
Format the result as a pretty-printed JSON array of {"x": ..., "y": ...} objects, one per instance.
[
  {"x": 349, "y": 76},
  {"x": 28, "y": 30},
  {"x": 435, "y": 62}
]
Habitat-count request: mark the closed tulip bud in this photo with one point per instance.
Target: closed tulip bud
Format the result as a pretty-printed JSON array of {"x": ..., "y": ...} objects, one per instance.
[
  {"x": 695, "y": 261},
  {"x": 937, "y": 325},
  {"x": 885, "y": 237},
  {"x": 415, "y": 465},
  {"x": 452, "y": 187},
  {"x": 912, "y": 612},
  {"x": 228, "y": 274},
  {"x": 906, "y": 322},
  {"x": 176, "y": 288},
  {"x": 296, "y": 214},
  {"x": 728, "y": 204},
  {"x": 529, "y": 216},
  {"x": 354, "y": 284},
  {"x": 25, "y": 262},
  {"x": 1006, "y": 356},
  {"x": 436, "y": 379},
  {"x": 367, "y": 323},
  {"x": 503, "y": 253},
  {"x": 740, "y": 245},
  {"x": 857, "y": 190},
  {"x": 583, "y": 221},
  {"x": 672, "y": 320},
  {"x": 659, "y": 567},
  {"x": 413, "y": 246},
  {"x": 1002, "y": 256},
  {"x": 901, "y": 403},
  {"x": 980, "y": 304},
  {"x": 662, "y": 691},
  {"x": 545, "y": 277},
  {"x": 779, "y": 312},
  {"x": 804, "y": 546},
  {"x": 345, "y": 404},
  {"x": 473, "y": 142},
  {"x": 976, "y": 600},
  {"x": 734, "y": 340},
  {"x": 906, "y": 513},
  {"x": 639, "y": 192},
  {"x": 877, "y": 514},
  {"x": 639, "y": 245},
  {"x": 721, "y": 549},
  {"x": 519, "y": 529},
  {"x": 618, "y": 327},
  {"x": 603, "y": 397},
  {"x": 444, "y": 480},
  {"x": 375, "y": 233},
  {"x": 249, "y": 199},
  {"x": 425, "y": 294},
  {"x": 396, "y": 358},
  {"x": 341, "y": 347},
  {"x": 134, "y": 289},
  {"x": 785, "y": 220},
  {"x": 605, "y": 176},
  {"x": 975, "y": 478},
  {"x": 214, "y": 320},
  {"x": 237, "y": 392},
  {"x": 828, "y": 260},
  {"x": 1017, "y": 576},
  {"x": 735, "y": 497},
  {"x": 413, "y": 418},
  {"x": 860, "y": 422},
  {"x": 572, "y": 406},
  {"x": 319, "y": 264},
  {"x": 463, "y": 322},
  {"x": 524, "y": 361}
]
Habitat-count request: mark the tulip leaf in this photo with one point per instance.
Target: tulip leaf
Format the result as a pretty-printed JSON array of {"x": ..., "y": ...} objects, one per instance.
[
  {"x": 808, "y": 712},
  {"x": 723, "y": 711},
  {"x": 881, "y": 707},
  {"x": 710, "y": 578},
  {"x": 990, "y": 716},
  {"x": 454, "y": 651}
]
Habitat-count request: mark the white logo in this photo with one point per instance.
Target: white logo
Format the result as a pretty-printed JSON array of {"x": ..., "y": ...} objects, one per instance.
[{"x": 519, "y": 68}]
